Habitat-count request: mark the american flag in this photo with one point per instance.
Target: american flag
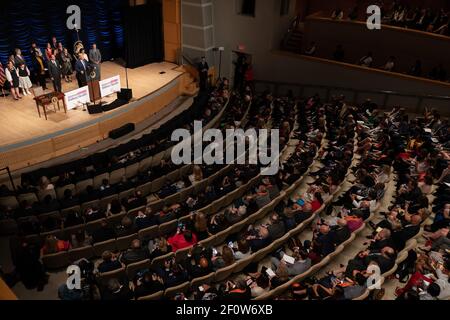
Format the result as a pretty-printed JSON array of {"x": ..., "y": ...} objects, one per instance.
[{"x": 2, "y": 75}]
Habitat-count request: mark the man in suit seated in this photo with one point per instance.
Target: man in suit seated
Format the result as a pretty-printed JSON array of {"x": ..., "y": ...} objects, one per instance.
[
  {"x": 324, "y": 242},
  {"x": 276, "y": 227},
  {"x": 382, "y": 239},
  {"x": 407, "y": 232},
  {"x": 109, "y": 263},
  {"x": 105, "y": 232},
  {"x": 135, "y": 253}
]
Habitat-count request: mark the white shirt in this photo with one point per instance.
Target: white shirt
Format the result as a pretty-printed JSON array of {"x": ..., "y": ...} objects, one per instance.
[{"x": 443, "y": 283}]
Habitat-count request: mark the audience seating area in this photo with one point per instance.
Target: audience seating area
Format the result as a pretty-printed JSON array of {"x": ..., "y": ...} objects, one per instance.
[{"x": 140, "y": 227}]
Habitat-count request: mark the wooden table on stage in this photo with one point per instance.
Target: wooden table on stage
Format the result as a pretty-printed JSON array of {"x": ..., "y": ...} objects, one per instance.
[{"x": 47, "y": 99}]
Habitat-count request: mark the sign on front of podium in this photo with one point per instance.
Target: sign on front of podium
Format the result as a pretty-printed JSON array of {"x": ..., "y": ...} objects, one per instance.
[
  {"x": 77, "y": 97},
  {"x": 109, "y": 86}
]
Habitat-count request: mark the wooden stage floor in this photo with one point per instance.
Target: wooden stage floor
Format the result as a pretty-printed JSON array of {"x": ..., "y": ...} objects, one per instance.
[{"x": 19, "y": 120}]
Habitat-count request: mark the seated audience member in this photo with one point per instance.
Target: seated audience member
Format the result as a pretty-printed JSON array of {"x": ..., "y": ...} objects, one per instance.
[
  {"x": 168, "y": 213},
  {"x": 89, "y": 194},
  {"x": 182, "y": 239},
  {"x": 234, "y": 215},
  {"x": 200, "y": 265},
  {"x": 337, "y": 14},
  {"x": 104, "y": 233},
  {"x": 243, "y": 250},
  {"x": 237, "y": 291},
  {"x": 69, "y": 199},
  {"x": 134, "y": 201},
  {"x": 80, "y": 240},
  {"x": 324, "y": 242},
  {"x": 201, "y": 226},
  {"x": 390, "y": 64},
  {"x": 144, "y": 219},
  {"x": 158, "y": 247},
  {"x": 276, "y": 227},
  {"x": 93, "y": 214},
  {"x": 135, "y": 254},
  {"x": 197, "y": 175},
  {"x": 109, "y": 262},
  {"x": 258, "y": 238},
  {"x": 54, "y": 245},
  {"x": 301, "y": 264},
  {"x": 172, "y": 273},
  {"x": 126, "y": 227},
  {"x": 114, "y": 207},
  {"x": 426, "y": 185},
  {"x": 225, "y": 259},
  {"x": 367, "y": 60},
  {"x": 116, "y": 291},
  {"x": 259, "y": 284},
  {"x": 45, "y": 184},
  {"x": 217, "y": 223},
  {"x": 72, "y": 218},
  {"x": 311, "y": 50},
  {"x": 148, "y": 284},
  {"x": 381, "y": 239}
]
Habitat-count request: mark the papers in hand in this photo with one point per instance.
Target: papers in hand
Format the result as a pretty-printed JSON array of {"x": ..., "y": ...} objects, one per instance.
[
  {"x": 288, "y": 259},
  {"x": 270, "y": 273},
  {"x": 427, "y": 130}
]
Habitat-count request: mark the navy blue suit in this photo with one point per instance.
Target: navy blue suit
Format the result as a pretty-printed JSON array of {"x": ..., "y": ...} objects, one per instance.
[{"x": 82, "y": 72}]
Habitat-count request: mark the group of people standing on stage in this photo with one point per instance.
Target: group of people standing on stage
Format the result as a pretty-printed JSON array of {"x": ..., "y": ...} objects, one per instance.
[
  {"x": 56, "y": 60},
  {"x": 15, "y": 76}
]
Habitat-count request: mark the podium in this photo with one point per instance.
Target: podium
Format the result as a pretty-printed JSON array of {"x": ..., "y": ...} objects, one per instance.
[
  {"x": 94, "y": 90},
  {"x": 94, "y": 83}
]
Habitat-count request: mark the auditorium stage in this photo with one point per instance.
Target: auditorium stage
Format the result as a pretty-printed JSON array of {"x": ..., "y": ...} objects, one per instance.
[{"x": 20, "y": 122}]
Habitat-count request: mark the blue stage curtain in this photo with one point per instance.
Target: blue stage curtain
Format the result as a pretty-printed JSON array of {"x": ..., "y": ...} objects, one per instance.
[{"x": 24, "y": 21}]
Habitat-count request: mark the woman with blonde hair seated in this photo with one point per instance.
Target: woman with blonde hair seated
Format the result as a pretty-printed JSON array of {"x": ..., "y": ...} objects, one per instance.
[
  {"x": 201, "y": 226},
  {"x": 197, "y": 174}
]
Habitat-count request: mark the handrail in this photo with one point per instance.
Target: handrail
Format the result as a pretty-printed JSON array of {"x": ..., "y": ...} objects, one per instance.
[
  {"x": 318, "y": 17},
  {"x": 322, "y": 86},
  {"x": 8, "y": 171},
  {"x": 188, "y": 59},
  {"x": 418, "y": 106}
]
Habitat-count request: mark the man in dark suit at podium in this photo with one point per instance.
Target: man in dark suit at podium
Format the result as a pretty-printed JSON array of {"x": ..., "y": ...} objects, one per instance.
[
  {"x": 54, "y": 69},
  {"x": 82, "y": 69}
]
